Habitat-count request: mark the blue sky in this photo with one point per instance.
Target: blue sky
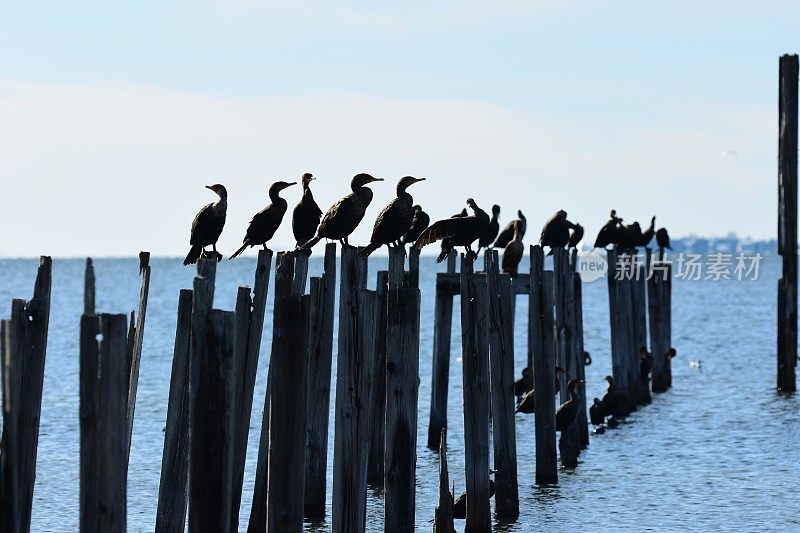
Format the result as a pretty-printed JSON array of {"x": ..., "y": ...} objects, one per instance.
[{"x": 115, "y": 114}]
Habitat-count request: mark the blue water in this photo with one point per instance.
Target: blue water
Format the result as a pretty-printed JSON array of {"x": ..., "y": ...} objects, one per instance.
[{"x": 719, "y": 451}]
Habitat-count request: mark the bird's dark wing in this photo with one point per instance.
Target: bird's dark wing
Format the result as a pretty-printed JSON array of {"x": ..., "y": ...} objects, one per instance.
[
  {"x": 505, "y": 236},
  {"x": 442, "y": 229},
  {"x": 201, "y": 224}
]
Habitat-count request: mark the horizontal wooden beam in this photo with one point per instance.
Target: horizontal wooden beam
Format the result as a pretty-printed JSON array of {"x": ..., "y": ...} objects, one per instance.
[{"x": 450, "y": 284}]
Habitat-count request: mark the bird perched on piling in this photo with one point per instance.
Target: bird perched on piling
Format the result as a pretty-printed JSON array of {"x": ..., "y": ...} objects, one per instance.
[
  {"x": 306, "y": 214},
  {"x": 267, "y": 221},
  {"x": 512, "y": 255},
  {"x": 419, "y": 222},
  {"x": 597, "y": 413},
  {"x": 505, "y": 236},
  {"x": 460, "y": 503},
  {"x": 527, "y": 403},
  {"x": 648, "y": 234},
  {"x": 462, "y": 231},
  {"x": 587, "y": 358},
  {"x": 630, "y": 237},
  {"x": 207, "y": 226},
  {"x": 662, "y": 239},
  {"x": 567, "y": 411},
  {"x": 645, "y": 363},
  {"x": 610, "y": 232},
  {"x": 576, "y": 236},
  {"x": 555, "y": 232},
  {"x": 492, "y": 229},
  {"x": 343, "y": 217},
  {"x": 394, "y": 219},
  {"x": 523, "y": 384},
  {"x": 446, "y": 245}
]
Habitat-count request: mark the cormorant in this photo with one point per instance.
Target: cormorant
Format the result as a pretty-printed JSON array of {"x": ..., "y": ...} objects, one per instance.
[
  {"x": 527, "y": 404},
  {"x": 670, "y": 354},
  {"x": 662, "y": 238},
  {"x": 610, "y": 232},
  {"x": 462, "y": 231},
  {"x": 523, "y": 384},
  {"x": 555, "y": 232},
  {"x": 647, "y": 236},
  {"x": 344, "y": 216},
  {"x": 576, "y": 236},
  {"x": 597, "y": 414},
  {"x": 306, "y": 214},
  {"x": 492, "y": 229},
  {"x": 207, "y": 226},
  {"x": 460, "y": 503},
  {"x": 630, "y": 237},
  {"x": 419, "y": 222},
  {"x": 645, "y": 363},
  {"x": 394, "y": 219},
  {"x": 446, "y": 245},
  {"x": 609, "y": 398},
  {"x": 587, "y": 358},
  {"x": 505, "y": 236},
  {"x": 512, "y": 255},
  {"x": 567, "y": 411},
  {"x": 266, "y": 222}
]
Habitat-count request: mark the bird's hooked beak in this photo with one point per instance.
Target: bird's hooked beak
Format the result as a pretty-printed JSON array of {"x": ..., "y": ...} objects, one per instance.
[
  {"x": 417, "y": 180},
  {"x": 375, "y": 179},
  {"x": 290, "y": 184}
]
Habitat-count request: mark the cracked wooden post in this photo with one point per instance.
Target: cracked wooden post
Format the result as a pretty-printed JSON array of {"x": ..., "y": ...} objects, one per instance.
[
  {"x": 563, "y": 275},
  {"x": 88, "y": 288},
  {"x": 616, "y": 304},
  {"x": 135, "y": 345},
  {"x": 443, "y": 519},
  {"x": 583, "y": 419},
  {"x": 375, "y": 467}
]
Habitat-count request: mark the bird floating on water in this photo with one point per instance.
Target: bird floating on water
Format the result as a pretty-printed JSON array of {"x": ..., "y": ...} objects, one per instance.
[
  {"x": 306, "y": 214},
  {"x": 694, "y": 363},
  {"x": 207, "y": 226},
  {"x": 597, "y": 413},
  {"x": 267, "y": 221},
  {"x": 395, "y": 219}
]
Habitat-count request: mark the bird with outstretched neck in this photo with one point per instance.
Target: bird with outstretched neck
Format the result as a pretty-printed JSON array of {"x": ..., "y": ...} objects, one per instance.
[
  {"x": 512, "y": 255},
  {"x": 419, "y": 222},
  {"x": 344, "y": 216},
  {"x": 267, "y": 221},
  {"x": 395, "y": 219},
  {"x": 492, "y": 229},
  {"x": 567, "y": 411},
  {"x": 648, "y": 234},
  {"x": 306, "y": 214},
  {"x": 505, "y": 236},
  {"x": 207, "y": 226},
  {"x": 610, "y": 233},
  {"x": 461, "y": 231}
]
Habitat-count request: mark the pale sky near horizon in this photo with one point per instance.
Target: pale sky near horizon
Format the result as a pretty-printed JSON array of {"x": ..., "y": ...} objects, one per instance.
[{"x": 113, "y": 118}]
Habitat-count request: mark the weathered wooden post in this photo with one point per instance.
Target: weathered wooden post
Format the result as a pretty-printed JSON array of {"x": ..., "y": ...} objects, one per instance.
[
  {"x": 583, "y": 420},
  {"x": 639, "y": 292},
  {"x": 12, "y": 335},
  {"x": 88, "y": 288},
  {"x": 287, "y": 396},
  {"x": 401, "y": 395},
  {"x": 135, "y": 338},
  {"x": 617, "y": 319},
  {"x": 103, "y": 420},
  {"x": 667, "y": 313},
  {"x": 501, "y": 365},
  {"x": 443, "y": 520},
  {"x": 563, "y": 275},
  {"x": 375, "y": 466},
  {"x": 171, "y": 510},
  {"x": 475, "y": 370},
  {"x": 440, "y": 369},
  {"x": 542, "y": 343},
  {"x": 250, "y": 324},
  {"x": 657, "y": 272},
  {"x": 355, "y": 357},
  {"x": 787, "y": 222},
  {"x": 323, "y": 299}
]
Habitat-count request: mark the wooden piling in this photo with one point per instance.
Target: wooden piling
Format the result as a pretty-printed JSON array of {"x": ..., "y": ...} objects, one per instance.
[
  {"x": 667, "y": 325},
  {"x": 355, "y": 358},
  {"x": 787, "y": 222},
  {"x": 583, "y": 419},
  {"x": 211, "y": 424},
  {"x": 135, "y": 345},
  {"x": 402, "y": 388},
  {"x": 375, "y": 465},
  {"x": 88, "y": 288},
  {"x": 12, "y": 341},
  {"x": 475, "y": 370},
  {"x": 618, "y": 332},
  {"x": 501, "y": 365},
  {"x": 171, "y": 510},
  {"x": 657, "y": 320},
  {"x": 412, "y": 276},
  {"x": 563, "y": 276},
  {"x": 543, "y": 347},
  {"x": 323, "y": 293},
  {"x": 250, "y": 323},
  {"x": 440, "y": 368},
  {"x": 287, "y": 396},
  {"x": 639, "y": 293},
  {"x": 443, "y": 520},
  {"x": 104, "y": 427}
]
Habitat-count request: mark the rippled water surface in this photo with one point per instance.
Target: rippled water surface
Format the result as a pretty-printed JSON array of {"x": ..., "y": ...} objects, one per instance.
[{"x": 719, "y": 451}]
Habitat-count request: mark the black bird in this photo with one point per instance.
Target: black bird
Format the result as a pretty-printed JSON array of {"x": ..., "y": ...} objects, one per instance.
[
  {"x": 512, "y": 255},
  {"x": 645, "y": 363},
  {"x": 492, "y": 229},
  {"x": 647, "y": 235},
  {"x": 610, "y": 232},
  {"x": 446, "y": 245},
  {"x": 597, "y": 413},
  {"x": 527, "y": 404},
  {"x": 306, "y": 214},
  {"x": 460, "y": 504},
  {"x": 555, "y": 232},
  {"x": 505, "y": 236},
  {"x": 344, "y": 216},
  {"x": 670, "y": 354},
  {"x": 576, "y": 236},
  {"x": 630, "y": 237},
  {"x": 610, "y": 398},
  {"x": 662, "y": 239},
  {"x": 567, "y": 411},
  {"x": 523, "y": 384},
  {"x": 587, "y": 358},
  {"x": 419, "y": 222},
  {"x": 267, "y": 221},
  {"x": 207, "y": 226},
  {"x": 394, "y": 219},
  {"x": 461, "y": 231}
]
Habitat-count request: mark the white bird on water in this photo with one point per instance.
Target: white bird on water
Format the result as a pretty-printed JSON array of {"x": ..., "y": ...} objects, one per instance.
[{"x": 694, "y": 363}]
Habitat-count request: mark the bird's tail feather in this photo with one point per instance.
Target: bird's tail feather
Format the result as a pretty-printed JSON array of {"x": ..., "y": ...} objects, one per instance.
[
  {"x": 371, "y": 247},
  {"x": 193, "y": 255},
  {"x": 239, "y": 251}
]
